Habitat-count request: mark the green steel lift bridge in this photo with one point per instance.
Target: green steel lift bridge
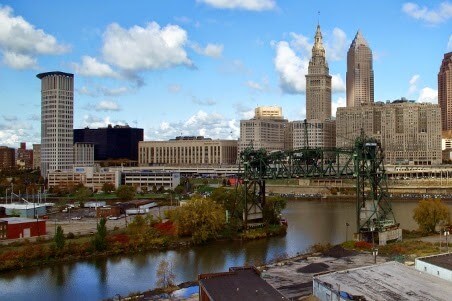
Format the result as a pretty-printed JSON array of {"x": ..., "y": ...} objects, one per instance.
[{"x": 363, "y": 162}]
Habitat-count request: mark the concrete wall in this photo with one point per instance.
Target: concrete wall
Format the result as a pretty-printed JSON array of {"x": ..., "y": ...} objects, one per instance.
[{"x": 432, "y": 269}]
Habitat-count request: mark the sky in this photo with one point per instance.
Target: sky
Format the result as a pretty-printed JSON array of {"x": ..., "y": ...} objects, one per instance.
[{"x": 198, "y": 67}]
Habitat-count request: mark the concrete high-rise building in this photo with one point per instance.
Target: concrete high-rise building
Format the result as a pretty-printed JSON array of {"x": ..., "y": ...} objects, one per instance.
[
  {"x": 24, "y": 157},
  {"x": 409, "y": 132},
  {"x": 57, "y": 121},
  {"x": 318, "y": 83},
  {"x": 268, "y": 132},
  {"x": 7, "y": 157},
  {"x": 445, "y": 91},
  {"x": 83, "y": 154},
  {"x": 270, "y": 112},
  {"x": 360, "y": 73},
  {"x": 313, "y": 134},
  {"x": 36, "y": 156}
]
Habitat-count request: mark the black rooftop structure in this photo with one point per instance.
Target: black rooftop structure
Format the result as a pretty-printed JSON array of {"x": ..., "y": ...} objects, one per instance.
[
  {"x": 42, "y": 75},
  {"x": 240, "y": 283}
]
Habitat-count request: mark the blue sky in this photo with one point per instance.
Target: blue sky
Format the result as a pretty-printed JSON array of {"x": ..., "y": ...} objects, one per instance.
[{"x": 197, "y": 67}]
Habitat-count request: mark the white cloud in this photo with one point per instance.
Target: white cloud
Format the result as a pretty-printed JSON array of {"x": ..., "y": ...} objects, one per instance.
[
  {"x": 291, "y": 68},
  {"x": 212, "y": 50},
  {"x": 428, "y": 95},
  {"x": 114, "y": 91},
  {"x": 449, "y": 44},
  {"x": 97, "y": 122},
  {"x": 19, "y": 61},
  {"x": 337, "y": 84},
  {"x": 16, "y": 131},
  {"x": 301, "y": 44},
  {"x": 107, "y": 105},
  {"x": 431, "y": 16},
  {"x": 254, "y": 85},
  {"x": 91, "y": 67},
  {"x": 413, "y": 84},
  {"x": 20, "y": 41},
  {"x": 145, "y": 48},
  {"x": 174, "y": 88},
  {"x": 340, "y": 102},
  {"x": 209, "y": 125},
  {"x": 256, "y": 5},
  {"x": 9, "y": 118},
  {"x": 337, "y": 48}
]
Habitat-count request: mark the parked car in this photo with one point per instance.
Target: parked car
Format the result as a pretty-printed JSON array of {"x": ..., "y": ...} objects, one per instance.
[{"x": 76, "y": 218}]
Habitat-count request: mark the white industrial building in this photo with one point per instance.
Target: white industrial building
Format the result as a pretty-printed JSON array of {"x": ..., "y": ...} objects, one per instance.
[
  {"x": 386, "y": 281},
  {"x": 437, "y": 265}
]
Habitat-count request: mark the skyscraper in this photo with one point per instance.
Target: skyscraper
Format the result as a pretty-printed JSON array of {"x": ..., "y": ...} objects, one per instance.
[
  {"x": 360, "y": 73},
  {"x": 57, "y": 121},
  {"x": 445, "y": 91},
  {"x": 318, "y": 83}
]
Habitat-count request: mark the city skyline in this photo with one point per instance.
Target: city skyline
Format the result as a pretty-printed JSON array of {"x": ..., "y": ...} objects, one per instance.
[{"x": 198, "y": 67}]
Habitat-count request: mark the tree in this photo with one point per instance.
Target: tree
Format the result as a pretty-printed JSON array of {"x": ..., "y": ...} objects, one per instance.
[
  {"x": 201, "y": 218},
  {"x": 82, "y": 195},
  {"x": 165, "y": 275},
  {"x": 59, "y": 238},
  {"x": 100, "y": 238},
  {"x": 125, "y": 192},
  {"x": 429, "y": 213},
  {"x": 272, "y": 209},
  {"x": 108, "y": 187}
]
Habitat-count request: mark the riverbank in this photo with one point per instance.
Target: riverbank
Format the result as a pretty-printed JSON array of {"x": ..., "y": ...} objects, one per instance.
[
  {"x": 43, "y": 252},
  {"x": 293, "y": 276}
]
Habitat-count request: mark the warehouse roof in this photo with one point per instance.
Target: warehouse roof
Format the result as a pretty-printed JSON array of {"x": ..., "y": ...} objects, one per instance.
[
  {"x": 19, "y": 220},
  {"x": 441, "y": 260},
  {"x": 387, "y": 281}
]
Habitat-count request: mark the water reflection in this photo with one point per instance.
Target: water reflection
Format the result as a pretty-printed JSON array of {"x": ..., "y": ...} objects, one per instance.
[{"x": 309, "y": 223}]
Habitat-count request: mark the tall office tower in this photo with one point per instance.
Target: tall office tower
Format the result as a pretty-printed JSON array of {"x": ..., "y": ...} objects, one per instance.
[
  {"x": 318, "y": 83},
  {"x": 360, "y": 73},
  {"x": 445, "y": 92},
  {"x": 57, "y": 121}
]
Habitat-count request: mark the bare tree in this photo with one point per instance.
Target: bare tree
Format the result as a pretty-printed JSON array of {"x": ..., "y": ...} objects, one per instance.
[{"x": 165, "y": 275}]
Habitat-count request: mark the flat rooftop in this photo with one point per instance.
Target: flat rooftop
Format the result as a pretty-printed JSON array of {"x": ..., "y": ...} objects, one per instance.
[
  {"x": 389, "y": 281},
  {"x": 441, "y": 260},
  {"x": 22, "y": 206},
  {"x": 244, "y": 284},
  {"x": 19, "y": 220}
]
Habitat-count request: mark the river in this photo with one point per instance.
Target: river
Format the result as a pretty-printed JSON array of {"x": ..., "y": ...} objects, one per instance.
[{"x": 310, "y": 222}]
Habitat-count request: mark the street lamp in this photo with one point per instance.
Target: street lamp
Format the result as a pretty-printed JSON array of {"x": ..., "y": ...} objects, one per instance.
[
  {"x": 346, "y": 230},
  {"x": 446, "y": 233},
  {"x": 374, "y": 250}
]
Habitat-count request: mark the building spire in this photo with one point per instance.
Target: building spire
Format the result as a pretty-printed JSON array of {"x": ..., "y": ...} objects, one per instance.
[{"x": 317, "y": 49}]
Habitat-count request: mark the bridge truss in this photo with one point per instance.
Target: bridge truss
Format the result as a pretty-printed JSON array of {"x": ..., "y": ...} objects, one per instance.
[{"x": 363, "y": 162}]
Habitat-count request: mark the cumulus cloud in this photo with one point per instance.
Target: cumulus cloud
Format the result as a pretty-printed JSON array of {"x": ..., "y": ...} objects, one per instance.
[
  {"x": 9, "y": 118},
  {"x": 97, "y": 122},
  {"x": 292, "y": 60},
  {"x": 255, "y": 5},
  {"x": 114, "y": 91},
  {"x": 243, "y": 111},
  {"x": 92, "y": 67},
  {"x": 340, "y": 102},
  {"x": 19, "y": 61},
  {"x": 15, "y": 131},
  {"x": 428, "y": 95},
  {"x": 255, "y": 86},
  {"x": 107, "y": 105},
  {"x": 413, "y": 84},
  {"x": 337, "y": 47},
  {"x": 21, "y": 42},
  {"x": 337, "y": 83},
  {"x": 431, "y": 16},
  {"x": 212, "y": 50},
  {"x": 210, "y": 125},
  {"x": 145, "y": 48},
  {"x": 291, "y": 69}
]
